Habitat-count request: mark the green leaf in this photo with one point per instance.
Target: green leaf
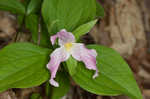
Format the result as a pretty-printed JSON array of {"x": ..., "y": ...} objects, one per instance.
[
  {"x": 34, "y": 6},
  {"x": 68, "y": 14},
  {"x": 65, "y": 11},
  {"x": 89, "y": 11},
  {"x": 64, "y": 85},
  {"x": 13, "y": 6},
  {"x": 35, "y": 96},
  {"x": 23, "y": 65},
  {"x": 48, "y": 89},
  {"x": 49, "y": 8},
  {"x": 115, "y": 76},
  {"x": 25, "y": 3},
  {"x": 99, "y": 10},
  {"x": 71, "y": 65},
  {"x": 44, "y": 36},
  {"x": 83, "y": 29},
  {"x": 32, "y": 22},
  {"x": 20, "y": 20}
]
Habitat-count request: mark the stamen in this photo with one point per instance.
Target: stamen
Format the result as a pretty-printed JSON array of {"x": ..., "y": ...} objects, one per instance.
[{"x": 68, "y": 46}]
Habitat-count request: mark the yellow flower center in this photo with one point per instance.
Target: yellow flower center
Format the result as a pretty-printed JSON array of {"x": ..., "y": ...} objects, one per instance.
[{"x": 68, "y": 46}]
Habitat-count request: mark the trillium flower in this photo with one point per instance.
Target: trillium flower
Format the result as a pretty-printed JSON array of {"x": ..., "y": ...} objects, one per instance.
[{"x": 68, "y": 47}]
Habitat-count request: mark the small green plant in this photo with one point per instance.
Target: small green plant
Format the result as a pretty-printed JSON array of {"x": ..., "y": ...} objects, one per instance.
[{"x": 23, "y": 64}]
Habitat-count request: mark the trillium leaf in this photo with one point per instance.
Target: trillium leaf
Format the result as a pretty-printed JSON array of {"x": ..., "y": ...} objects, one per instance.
[
  {"x": 32, "y": 22},
  {"x": 83, "y": 29},
  {"x": 99, "y": 10},
  {"x": 89, "y": 11},
  {"x": 71, "y": 65},
  {"x": 44, "y": 36},
  {"x": 20, "y": 19},
  {"x": 34, "y": 6},
  {"x": 67, "y": 14},
  {"x": 13, "y": 6},
  {"x": 64, "y": 85},
  {"x": 23, "y": 65},
  {"x": 115, "y": 76}
]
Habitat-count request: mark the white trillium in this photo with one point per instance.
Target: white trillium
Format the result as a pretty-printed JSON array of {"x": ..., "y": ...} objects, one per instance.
[{"x": 68, "y": 47}]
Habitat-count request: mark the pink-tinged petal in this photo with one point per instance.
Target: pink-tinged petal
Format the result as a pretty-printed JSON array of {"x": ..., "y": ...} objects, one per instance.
[
  {"x": 53, "y": 39},
  {"x": 58, "y": 56},
  {"x": 88, "y": 56},
  {"x": 64, "y": 37}
]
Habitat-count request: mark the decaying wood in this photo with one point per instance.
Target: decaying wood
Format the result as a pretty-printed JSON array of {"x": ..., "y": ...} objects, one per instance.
[
  {"x": 7, "y": 28},
  {"x": 8, "y": 95},
  {"x": 26, "y": 93},
  {"x": 122, "y": 28},
  {"x": 7, "y": 25}
]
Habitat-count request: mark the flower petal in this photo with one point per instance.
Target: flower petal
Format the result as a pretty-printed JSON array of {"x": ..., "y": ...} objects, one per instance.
[
  {"x": 53, "y": 39},
  {"x": 58, "y": 56},
  {"x": 64, "y": 37},
  {"x": 88, "y": 56}
]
